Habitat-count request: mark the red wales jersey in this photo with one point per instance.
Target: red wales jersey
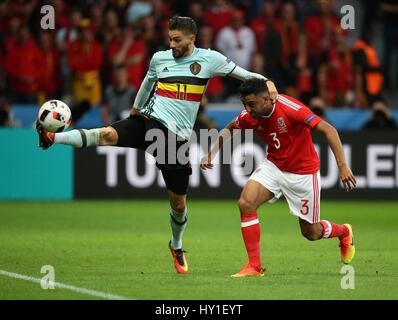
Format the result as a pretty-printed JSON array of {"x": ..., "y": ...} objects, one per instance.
[{"x": 286, "y": 131}]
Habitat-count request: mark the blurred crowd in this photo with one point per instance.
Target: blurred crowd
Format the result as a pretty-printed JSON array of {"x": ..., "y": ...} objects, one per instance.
[{"x": 99, "y": 51}]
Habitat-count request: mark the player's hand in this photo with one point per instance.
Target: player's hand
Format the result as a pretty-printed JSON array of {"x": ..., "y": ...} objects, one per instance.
[
  {"x": 273, "y": 93},
  {"x": 348, "y": 178},
  {"x": 205, "y": 163}
]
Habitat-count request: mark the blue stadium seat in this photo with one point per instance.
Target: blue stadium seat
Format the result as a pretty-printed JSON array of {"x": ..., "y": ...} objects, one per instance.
[
  {"x": 91, "y": 119},
  {"x": 26, "y": 114}
]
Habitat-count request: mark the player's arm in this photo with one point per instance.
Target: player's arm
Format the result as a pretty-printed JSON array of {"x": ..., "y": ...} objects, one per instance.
[
  {"x": 143, "y": 95},
  {"x": 224, "y": 136},
  {"x": 222, "y": 66},
  {"x": 243, "y": 74},
  {"x": 145, "y": 91},
  {"x": 334, "y": 142}
]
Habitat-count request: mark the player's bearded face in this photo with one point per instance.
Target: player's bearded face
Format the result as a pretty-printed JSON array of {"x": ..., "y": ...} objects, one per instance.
[
  {"x": 180, "y": 52},
  {"x": 258, "y": 105},
  {"x": 180, "y": 43}
]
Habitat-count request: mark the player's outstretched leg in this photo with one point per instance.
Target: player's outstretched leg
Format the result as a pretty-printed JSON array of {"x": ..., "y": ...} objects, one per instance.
[{"x": 78, "y": 138}]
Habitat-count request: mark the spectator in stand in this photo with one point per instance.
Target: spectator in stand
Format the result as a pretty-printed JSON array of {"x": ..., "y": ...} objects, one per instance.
[
  {"x": 118, "y": 97},
  {"x": 62, "y": 15},
  {"x": 96, "y": 18},
  {"x": 154, "y": 28},
  {"x": 11, "y": 35},
  {"x": 218, "y": 16},
  {"x": 110, "y": 31},
  {"x": 389, "y": 9},
  {"x": 155, "y": 39},
  {"x": 196, "y": 12},
  {"x": 267, "y": 28},
  {"x": 381, "y": 118},
  {"x": 110, "y": 28},
  {"x": 266, "y": 20},
  {"x": 293, "y": 55},
  {"x": 68, "y": 34},
  {"x": 51, "y": 77},
  {"x": 23, "y": 65},
  {"x": 65, "y": 36},
  {"x": 237, "y": 42},
  {"x": 131, "y": 51},
  {"x": 85, "y": 60},
  {"x": 154, "y": 36},
  {"x": 368, "y": 75},
  {"x": 337, "y": 89},
  {"x": 215, "y": 86},
  {"x": 319, "y": 29}
]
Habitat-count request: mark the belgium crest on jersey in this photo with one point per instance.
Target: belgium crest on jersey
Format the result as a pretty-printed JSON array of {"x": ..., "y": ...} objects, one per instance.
[{"x": 195, "y": 68}]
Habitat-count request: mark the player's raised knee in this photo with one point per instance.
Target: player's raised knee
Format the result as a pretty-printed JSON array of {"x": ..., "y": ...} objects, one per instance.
[
  {"x": 246, "y": 205},
  {"x": 108, "y": 136}
]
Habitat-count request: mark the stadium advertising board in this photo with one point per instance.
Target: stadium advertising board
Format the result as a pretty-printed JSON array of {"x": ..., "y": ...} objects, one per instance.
[
  {"x": 109, "y": 172},
  {"x": 28, "y": 173}
]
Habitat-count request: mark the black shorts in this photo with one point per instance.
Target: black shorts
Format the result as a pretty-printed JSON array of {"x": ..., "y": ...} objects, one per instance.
[{"x": 171, "y": 153}]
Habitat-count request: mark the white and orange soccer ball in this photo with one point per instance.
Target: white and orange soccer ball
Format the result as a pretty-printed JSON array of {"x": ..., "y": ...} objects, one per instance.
[{"x": 55, "y": 116}]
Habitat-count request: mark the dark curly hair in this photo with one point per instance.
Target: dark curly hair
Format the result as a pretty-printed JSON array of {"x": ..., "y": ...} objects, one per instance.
[
  {"x": 253, "y": 86},
  {"x": 185, "y": 24}
]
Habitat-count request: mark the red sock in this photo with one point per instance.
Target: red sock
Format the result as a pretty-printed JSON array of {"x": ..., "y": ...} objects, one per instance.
[
  {"x": 332, "y": 230},
  {"x": 251, "y": 236}
]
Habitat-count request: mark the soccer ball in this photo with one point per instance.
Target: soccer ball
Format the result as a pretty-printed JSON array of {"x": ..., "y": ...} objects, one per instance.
[{"x": 55, "y": 116}]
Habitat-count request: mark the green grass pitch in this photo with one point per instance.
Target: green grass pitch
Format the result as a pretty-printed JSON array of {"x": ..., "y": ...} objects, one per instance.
[{"x": 120, "y": 247}]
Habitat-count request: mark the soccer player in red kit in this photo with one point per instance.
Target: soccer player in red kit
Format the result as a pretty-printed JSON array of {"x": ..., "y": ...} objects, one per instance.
[{"x": 291, "y": 168}]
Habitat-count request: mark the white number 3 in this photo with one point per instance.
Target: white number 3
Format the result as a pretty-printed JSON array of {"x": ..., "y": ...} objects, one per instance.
[{"x": 277, "y": 143}]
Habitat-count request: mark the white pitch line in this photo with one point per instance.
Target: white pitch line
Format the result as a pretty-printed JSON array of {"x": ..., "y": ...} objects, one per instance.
[{"x": 60, "y": 285}]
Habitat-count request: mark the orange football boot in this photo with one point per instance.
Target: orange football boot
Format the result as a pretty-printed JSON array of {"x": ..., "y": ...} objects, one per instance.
[
  {"x": 248, "y": 271},
  {"x": 46, "y": 138},
  {"x": 180, "y": 263},
  {"x": 347, "y": 247}
]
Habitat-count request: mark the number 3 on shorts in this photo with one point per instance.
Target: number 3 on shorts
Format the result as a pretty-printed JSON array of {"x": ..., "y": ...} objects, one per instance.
[{"x": 304, "y": 207}]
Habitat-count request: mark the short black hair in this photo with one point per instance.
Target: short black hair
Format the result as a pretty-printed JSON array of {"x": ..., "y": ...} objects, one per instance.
[
  {"x": 253, "y": 86},
  {"x": 185, "y": 24}
]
